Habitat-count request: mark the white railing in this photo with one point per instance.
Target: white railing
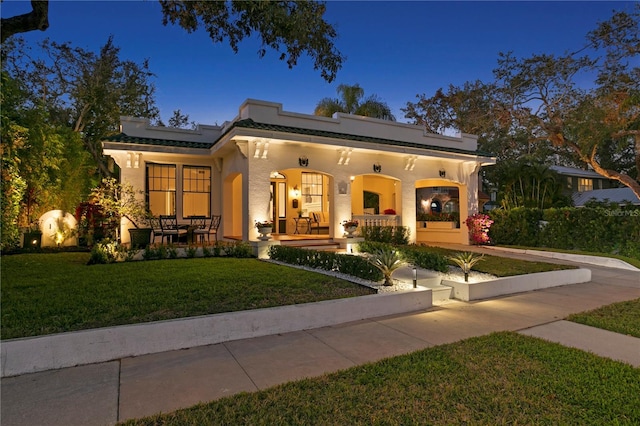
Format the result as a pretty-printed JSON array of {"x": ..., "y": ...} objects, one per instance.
[{"x": 378, "y": 220}]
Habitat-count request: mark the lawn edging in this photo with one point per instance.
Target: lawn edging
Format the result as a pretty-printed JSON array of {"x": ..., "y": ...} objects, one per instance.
[
  {"x": 42, "y": 353},
  {"x": 608, "y": 262},
  {"x": 516, "y": 284}
]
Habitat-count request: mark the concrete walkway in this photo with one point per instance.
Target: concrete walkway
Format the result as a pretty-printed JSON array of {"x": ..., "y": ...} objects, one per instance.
[{"x": 103, "y": 394}]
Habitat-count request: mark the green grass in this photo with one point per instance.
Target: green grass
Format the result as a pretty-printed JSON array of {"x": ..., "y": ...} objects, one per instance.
[
  {"x": 501, "y": 266},
  {"x": 623, "y": 317},
  {"x": 629, "y": 260},
  {"x": 57, "y": 292},
  {"x": 502, "y": 378},
  {"x": 51, "y": 293}
]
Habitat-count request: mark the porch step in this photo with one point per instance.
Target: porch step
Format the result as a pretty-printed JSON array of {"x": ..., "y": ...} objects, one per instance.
[{"x": 315, "y": 244}]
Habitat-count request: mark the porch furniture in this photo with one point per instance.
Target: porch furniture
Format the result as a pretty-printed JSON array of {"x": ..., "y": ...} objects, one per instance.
[
  {"x": 302, "y": 221},
  {"x": 205, "y": 226},
  {"x": 156, "y": 229},
  {"x": 170, "y": 228},
  {"x": 319, "y": 220}
]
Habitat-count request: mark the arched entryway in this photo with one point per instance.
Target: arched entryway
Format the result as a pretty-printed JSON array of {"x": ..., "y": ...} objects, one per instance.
[
  {"x": 301, "y": 201},
  {"x": 376, "y": 199},
  {"x": 441, "y": 209}
]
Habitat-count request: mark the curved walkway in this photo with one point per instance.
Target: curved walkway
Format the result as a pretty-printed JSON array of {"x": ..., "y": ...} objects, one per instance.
[{"x": 105, "y": 393}]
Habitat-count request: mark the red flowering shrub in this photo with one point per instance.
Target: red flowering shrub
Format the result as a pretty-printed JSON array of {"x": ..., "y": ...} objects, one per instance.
[{"x": 479, "y": 225}]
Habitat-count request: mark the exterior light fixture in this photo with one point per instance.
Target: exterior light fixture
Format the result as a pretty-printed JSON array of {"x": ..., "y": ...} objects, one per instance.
[
  {"x": 296, "y": 194},
  {"x": 377, "y": 167},
  {"x": 415, "y": 277},
  {"x": 443, "y": 173},
  {"x": 303, "y": 161}
]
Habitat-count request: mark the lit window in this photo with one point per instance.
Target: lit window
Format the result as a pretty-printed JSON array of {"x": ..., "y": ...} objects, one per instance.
[
  {"x": 312, "y": 188},
  {"x": 196, "y": 191},
  {"x": 161, "y": 188},
  {"x": 585, "y": 185}
]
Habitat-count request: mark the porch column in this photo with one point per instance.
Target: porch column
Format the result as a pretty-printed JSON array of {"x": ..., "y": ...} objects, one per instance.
[
  {"x": 408, "y": 199},
  {"x": 341, "y": 203}
]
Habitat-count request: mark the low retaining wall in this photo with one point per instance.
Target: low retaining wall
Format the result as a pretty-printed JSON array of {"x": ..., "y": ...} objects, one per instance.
[
  {"x": 516, "y": 284},
  {"x": 30, "y": 355}
]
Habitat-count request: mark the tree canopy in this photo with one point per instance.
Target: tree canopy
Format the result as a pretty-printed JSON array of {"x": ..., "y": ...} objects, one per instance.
[
  {"x": 291, "y": 28},
  {"x": 541, "y": 106},
  {"x": 351, "y": 101}
]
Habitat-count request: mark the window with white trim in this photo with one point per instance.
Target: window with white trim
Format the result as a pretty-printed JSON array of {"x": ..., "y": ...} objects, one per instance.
[
  {"x": 196, "y": 191},
  {"x": 161, "y": 188}
]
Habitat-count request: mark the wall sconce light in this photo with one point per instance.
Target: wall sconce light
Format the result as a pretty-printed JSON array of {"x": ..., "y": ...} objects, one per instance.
[
  {"x": 377, "y": 167},
  {"x": 296, "y": 194},
  {"x": 442, "y": 173},
  {"x": 303, "y": 161}
]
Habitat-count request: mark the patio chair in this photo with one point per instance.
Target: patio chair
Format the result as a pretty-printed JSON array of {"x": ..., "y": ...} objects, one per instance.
[
  {"x": 202, "y": 228},
  {"x": 170, "y": 228},
  {"x": 155, "y": 228}
]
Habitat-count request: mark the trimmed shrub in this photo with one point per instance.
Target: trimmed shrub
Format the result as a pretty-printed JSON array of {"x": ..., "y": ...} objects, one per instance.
[
  {"x": 398, "y": 235},
  {"x": 413, "y": 254},
  {"x": 599, "y": 228},
  {"x": 518, "y": 226},
  {"x": 356, "y": 266}
]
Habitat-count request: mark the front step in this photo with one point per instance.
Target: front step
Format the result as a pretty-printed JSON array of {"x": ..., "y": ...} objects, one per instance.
[{"x": 322, "y": 245}]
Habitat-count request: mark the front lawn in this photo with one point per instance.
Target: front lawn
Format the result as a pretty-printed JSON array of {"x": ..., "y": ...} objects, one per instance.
[
  {"x": 58, "y": 292},
  {"x": 502, "y": 266},
  {"x": 502, "y": 378},
  {"x": 52, "y": 293},
  {"x": 623, "y": 317}
]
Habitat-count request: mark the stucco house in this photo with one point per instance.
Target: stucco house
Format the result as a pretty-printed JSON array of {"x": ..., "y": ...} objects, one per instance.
[{"x": 271, "y": 164}]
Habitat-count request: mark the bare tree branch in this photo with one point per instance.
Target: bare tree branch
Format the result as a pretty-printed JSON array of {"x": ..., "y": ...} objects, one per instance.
[{"x": 37, "y": 19}]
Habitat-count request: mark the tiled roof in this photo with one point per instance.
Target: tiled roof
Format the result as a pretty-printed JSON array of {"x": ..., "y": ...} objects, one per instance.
[
  {"x": 123, "y": 138},
  {"x": 250, "y": 124}
]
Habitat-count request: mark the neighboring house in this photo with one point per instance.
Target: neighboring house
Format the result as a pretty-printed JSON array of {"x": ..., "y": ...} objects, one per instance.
[
  {"x": 270, "y": 164},
  {"x": 612, "y": 195},
  {"x": 578, "y": 180}
]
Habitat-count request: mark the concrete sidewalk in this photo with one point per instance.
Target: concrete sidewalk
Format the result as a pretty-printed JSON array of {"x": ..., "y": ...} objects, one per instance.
[{"x": 103, "y": 394}]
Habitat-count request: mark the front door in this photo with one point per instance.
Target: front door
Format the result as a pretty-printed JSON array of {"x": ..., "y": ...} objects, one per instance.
[{"x": 279, "y": 206}]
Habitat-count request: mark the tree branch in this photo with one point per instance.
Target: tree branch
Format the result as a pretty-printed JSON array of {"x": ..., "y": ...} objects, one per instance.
[{"x": 37, "y": 19}]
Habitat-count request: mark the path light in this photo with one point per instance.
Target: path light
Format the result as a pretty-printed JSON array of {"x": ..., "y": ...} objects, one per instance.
[{"x": 415, "y": 277}]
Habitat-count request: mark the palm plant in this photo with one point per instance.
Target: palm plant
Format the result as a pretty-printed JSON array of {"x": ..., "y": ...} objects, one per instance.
[
  {"x": 466, "y": 260},
  {"x": 350, "y": 102},
  {"x": 387, "y": 261}
]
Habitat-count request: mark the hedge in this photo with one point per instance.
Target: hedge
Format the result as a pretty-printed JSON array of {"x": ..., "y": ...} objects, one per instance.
[
  {"x": 611, "y": 229},
  {"x": 356, "y": 266},
  {"x": 416, "y": 255}
]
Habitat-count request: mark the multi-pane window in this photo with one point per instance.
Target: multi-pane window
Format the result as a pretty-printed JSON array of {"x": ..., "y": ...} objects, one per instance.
[
  {"x": 312, "y": 192},
  {"x": 161, "y": 188},
  {"x": 196, "y": 191},
  {"x": 585, "y": 184}
]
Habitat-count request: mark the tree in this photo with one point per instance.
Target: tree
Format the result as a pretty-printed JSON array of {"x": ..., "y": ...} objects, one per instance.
[
  {"x": 82, "y": 90},
  {"x": 292, "y": 28},
  {"x": 523, "y": 183},
  {"x": 537, "y": 106},
  {"x": 37, "y": 19},
  {"x": 181, "y": 121},
  {"x": 350, "y": 102}
]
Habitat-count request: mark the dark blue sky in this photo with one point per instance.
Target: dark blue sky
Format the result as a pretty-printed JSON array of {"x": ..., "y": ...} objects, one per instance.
[{"x": 394, "y": 49}]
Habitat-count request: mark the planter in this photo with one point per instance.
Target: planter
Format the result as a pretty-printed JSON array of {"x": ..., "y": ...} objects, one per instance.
[
  {"x": 140, "y": 237},
  {"x": 264, "y": 233},
  {"x": 350, "y": 230},
  {"x": 440, "y": 225}
]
